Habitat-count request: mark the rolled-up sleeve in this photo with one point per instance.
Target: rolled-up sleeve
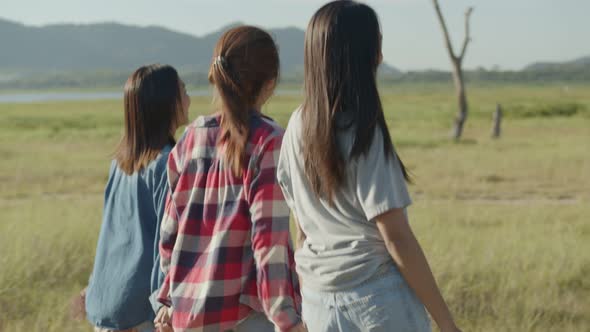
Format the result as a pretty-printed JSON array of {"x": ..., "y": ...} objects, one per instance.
[{"x": 277, "y": 284}]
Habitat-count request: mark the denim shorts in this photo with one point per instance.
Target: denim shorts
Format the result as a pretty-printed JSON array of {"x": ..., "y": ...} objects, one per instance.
[{"x": 384, "y": 303}]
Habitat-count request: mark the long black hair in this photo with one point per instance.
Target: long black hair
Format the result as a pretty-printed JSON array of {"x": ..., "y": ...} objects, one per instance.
[{"x": 342, "y": 53}]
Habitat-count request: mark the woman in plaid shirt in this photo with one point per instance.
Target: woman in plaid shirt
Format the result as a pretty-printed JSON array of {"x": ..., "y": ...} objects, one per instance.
[{"x": 225, "y": 246}]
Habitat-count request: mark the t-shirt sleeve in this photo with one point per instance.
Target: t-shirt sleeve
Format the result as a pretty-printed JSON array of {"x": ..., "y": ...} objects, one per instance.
[{"x": 380, "y": 181}]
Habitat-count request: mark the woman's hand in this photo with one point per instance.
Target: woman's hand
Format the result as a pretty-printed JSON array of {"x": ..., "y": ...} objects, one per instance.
[
  {"x": 78, "y": 305},
  {"x": 163, "y": 320}
]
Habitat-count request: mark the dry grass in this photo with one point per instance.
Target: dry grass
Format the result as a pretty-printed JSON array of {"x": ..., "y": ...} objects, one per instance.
[{"x": 505, "y": 224}]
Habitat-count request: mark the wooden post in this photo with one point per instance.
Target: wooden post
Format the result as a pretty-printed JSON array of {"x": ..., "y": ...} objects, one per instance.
[{"x": 497, "y": 122}]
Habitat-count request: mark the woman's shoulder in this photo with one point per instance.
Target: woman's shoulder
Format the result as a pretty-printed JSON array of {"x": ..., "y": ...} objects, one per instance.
[
  {"x": 295, "y": 119},
  {"x": 295, "y": 122},
  {"x": 293, "y": 130},
  {"x": 272, "y": 128},
  {"x": 156, "y": 169},
  {"x": 203, "y": 129},
  {"x": 162, "y": 159},
  {"x": 206, "y": 121},
  {"x": 264, "y": 128}
]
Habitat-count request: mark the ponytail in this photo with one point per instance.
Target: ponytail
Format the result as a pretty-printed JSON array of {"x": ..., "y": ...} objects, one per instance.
[
  {"x": 234, "y": 116},
  {"x": 245, "y": 59}
]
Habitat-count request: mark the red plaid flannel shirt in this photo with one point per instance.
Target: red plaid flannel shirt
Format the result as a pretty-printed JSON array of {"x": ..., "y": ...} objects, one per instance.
[{"x": 224, "y": 243}]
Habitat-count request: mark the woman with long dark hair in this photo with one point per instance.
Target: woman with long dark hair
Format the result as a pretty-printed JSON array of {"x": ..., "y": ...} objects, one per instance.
[
  {"x": 359, "y": 264},
  {"x": 225, "y": 235}
]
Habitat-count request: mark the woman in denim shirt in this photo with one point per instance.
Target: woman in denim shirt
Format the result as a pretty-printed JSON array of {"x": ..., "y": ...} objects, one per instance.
[{"x": 126, "y": 266}]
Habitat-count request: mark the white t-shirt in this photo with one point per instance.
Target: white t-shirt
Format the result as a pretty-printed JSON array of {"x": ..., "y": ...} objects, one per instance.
[{"x": 343, "y": 247}]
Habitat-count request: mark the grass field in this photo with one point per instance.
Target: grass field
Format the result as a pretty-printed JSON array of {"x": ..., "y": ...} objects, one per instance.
[{"x": 505, "y": 223}]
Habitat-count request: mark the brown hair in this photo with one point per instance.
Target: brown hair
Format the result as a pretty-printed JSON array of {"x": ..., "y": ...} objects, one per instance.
[
  {"x": 342, "y": 52},
  {"x": 152, "y": 109},
  {"x": 244, "y": 61}
]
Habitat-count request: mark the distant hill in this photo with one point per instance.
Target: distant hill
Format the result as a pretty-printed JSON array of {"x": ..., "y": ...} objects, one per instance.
[
  {"x": 113, "y": 46},
  {"x": 102, "y": 56},
  {"x": 105, "y": 46}
]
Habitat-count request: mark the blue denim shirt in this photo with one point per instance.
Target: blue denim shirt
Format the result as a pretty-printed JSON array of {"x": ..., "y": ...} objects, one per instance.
[{"x": 127, "y": 263}]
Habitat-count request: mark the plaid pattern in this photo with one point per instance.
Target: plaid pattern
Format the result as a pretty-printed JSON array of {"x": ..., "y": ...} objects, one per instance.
[{"x": 225, "y": 246}]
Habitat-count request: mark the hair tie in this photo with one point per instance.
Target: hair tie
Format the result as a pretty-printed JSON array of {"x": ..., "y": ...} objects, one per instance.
[{"x": 220, "y": 60}]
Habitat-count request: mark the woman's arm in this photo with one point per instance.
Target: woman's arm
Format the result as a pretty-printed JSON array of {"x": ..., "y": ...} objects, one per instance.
[
  {"x": 160, "y": 189},
  {"x": 168, "y": 233},
  {"x": 409, "y": 257},
  {"x": 271, "y": 245},
  {"x": 169, "y": 225}
]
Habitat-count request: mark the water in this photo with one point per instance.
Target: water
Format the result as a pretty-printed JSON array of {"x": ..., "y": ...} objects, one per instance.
[{"x": 37, "y": 97}]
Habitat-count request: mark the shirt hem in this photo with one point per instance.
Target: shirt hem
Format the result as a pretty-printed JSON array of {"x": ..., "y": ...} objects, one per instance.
[
  {"x": 97, "y": 323},
  {"x": 385, "y": 266}
]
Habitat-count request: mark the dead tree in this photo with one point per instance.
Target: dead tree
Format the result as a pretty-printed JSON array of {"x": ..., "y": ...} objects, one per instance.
[{"x": 457, "y": 61}]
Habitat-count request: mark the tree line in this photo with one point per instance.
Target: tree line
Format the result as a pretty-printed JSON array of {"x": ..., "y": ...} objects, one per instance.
[{"x": 112, "y": 79}]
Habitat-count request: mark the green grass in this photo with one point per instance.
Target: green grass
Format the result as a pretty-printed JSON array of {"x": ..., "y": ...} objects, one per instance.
[{"x": 505, "y": 223}]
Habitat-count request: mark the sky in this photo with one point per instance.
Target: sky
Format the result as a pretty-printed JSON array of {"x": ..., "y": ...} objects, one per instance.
[{"x": 506, "y": 34}]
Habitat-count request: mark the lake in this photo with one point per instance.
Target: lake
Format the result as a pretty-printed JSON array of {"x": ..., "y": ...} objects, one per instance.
[{"x": 36, "y": 97}]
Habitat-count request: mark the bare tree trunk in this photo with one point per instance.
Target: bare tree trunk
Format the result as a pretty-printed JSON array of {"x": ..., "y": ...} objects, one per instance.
[
  {"x": 462, "y": 102},
  {"x": 457, "y": 61},
  {"x": 497, "y": 122}
]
